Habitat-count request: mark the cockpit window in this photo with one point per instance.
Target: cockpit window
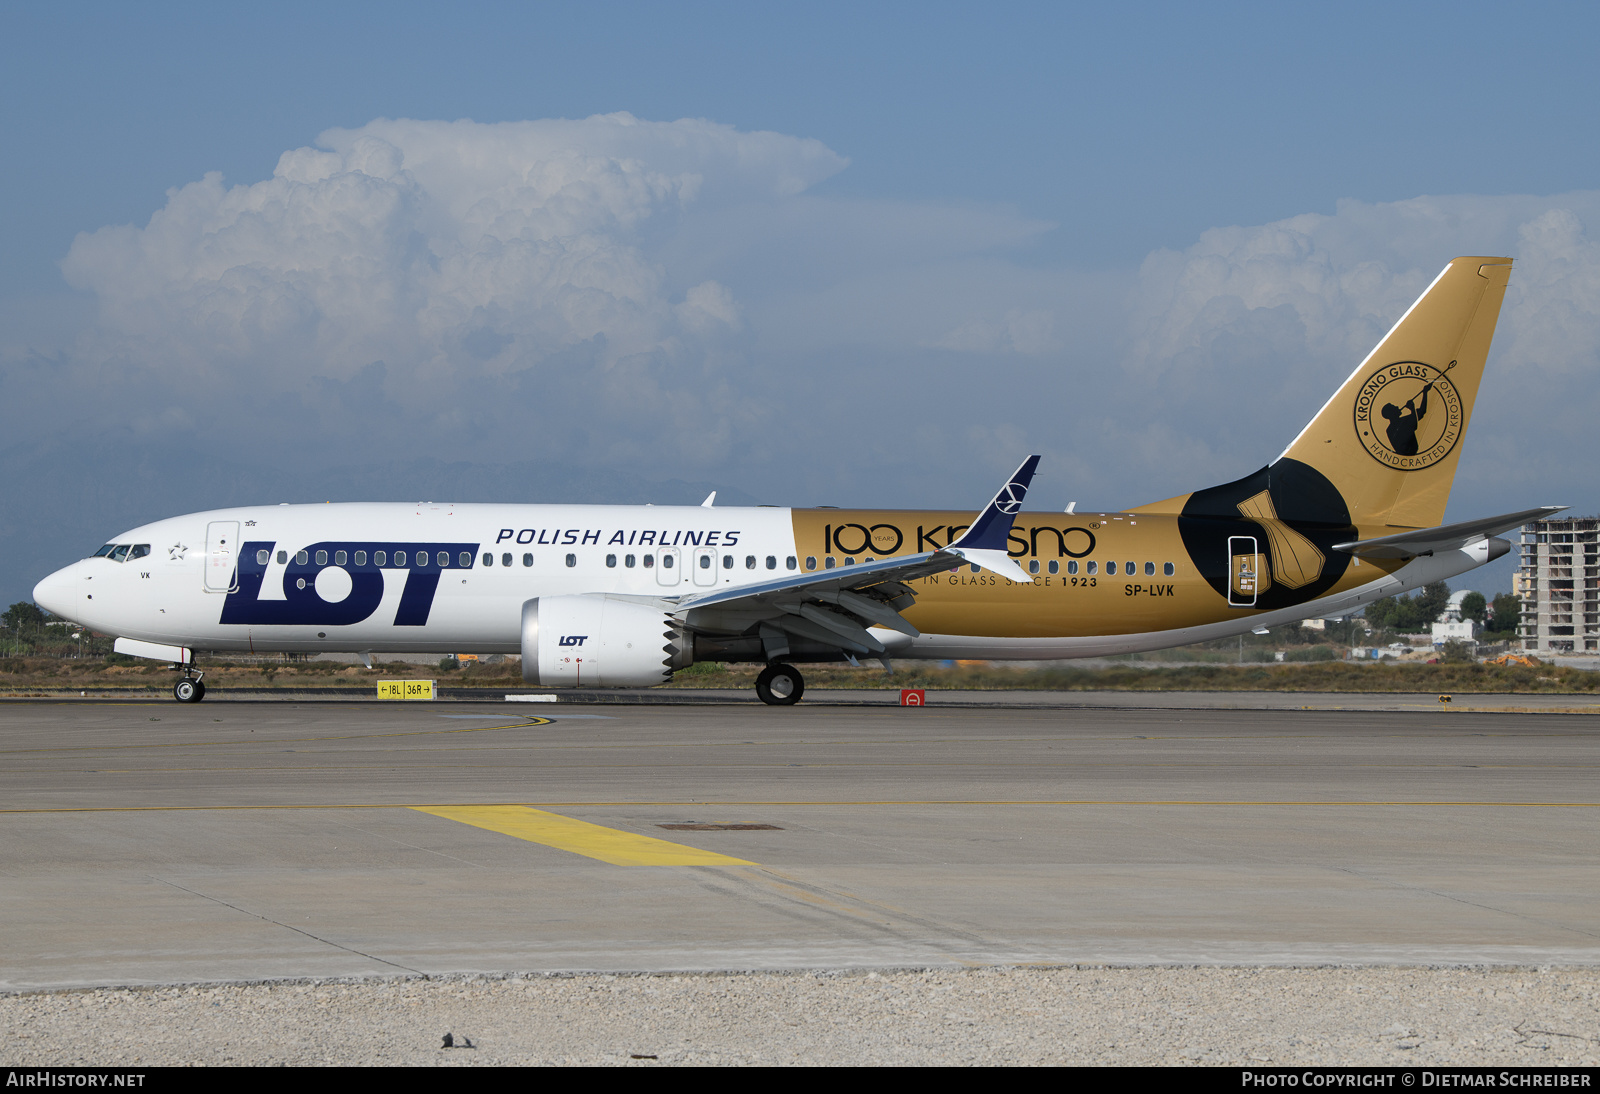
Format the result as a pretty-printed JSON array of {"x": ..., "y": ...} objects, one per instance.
[
  {"x": 120, "y": 553},
  {"x": 104, "y": 551},
  {"x": 139, "y": 551}
]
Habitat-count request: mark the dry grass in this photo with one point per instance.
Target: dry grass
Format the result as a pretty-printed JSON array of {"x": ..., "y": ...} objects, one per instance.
[{"x": 19, "y": 675}]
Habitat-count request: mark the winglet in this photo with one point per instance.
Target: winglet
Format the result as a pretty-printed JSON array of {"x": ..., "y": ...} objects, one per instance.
[
  {"x": 987, "y": 541},
  {"x": 990, "y": 531}
]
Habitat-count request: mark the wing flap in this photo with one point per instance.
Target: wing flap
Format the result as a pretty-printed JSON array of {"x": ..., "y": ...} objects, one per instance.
[{"x": 837, "y": 606}]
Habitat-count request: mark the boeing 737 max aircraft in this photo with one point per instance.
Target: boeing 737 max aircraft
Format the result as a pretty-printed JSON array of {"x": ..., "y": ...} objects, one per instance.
[{"x": 620, "y": 596}]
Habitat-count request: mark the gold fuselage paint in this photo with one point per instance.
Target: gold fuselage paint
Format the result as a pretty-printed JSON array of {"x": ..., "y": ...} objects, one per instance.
[{"x": 1113, "y": 600}]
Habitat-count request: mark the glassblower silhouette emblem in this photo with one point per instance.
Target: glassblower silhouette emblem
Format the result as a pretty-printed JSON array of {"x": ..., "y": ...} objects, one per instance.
[{"x": 1408, "y": 415}]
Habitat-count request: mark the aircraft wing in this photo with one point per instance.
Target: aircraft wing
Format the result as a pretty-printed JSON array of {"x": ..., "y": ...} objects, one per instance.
[
  {"x": 1447, "y": 537},
  {"x": 837, "y": 606}
]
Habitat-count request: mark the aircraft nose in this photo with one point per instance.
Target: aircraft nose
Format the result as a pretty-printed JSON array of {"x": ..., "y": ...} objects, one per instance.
[{"x": 55, "y": 593}]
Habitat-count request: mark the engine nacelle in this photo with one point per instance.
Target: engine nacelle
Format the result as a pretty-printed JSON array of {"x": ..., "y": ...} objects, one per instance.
[{"x": 599, "y": 642}]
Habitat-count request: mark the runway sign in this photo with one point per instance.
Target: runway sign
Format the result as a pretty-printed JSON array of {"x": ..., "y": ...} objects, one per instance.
[{"x": 406, "y": 689}]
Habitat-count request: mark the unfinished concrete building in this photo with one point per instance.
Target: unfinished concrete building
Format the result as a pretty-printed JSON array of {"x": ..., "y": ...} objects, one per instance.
[{"x": 1558, "y": 582}]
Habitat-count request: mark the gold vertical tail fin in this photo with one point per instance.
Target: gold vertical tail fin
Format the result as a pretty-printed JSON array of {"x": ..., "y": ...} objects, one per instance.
[{"x": 1390, "y": 438}]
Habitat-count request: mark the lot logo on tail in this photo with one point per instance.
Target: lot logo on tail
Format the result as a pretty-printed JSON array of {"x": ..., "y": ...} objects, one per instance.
[{"x": 1408, "y": 415}]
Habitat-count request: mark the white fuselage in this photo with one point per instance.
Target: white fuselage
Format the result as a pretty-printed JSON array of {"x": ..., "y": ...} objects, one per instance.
[{"x": 402, "y": 603}]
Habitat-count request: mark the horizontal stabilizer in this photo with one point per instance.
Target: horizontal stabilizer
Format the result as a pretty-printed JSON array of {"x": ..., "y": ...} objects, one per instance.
[{"x": 1448, "y": 537}]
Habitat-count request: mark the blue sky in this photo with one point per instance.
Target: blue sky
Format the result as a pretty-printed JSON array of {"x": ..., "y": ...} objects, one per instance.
[{"x": 977, "y": 263}]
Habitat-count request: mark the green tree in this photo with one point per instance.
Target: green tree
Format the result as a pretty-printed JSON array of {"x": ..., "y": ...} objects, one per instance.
[
  {"x": 1474, "y": 607},
  {"x": 1431, "y": 601},
  {"x": 1409, "y": 614},
  {"x": 1381, "y": 612},
  {"x": 1507, "y": 614},
  {"x": 24, "y": 616}
]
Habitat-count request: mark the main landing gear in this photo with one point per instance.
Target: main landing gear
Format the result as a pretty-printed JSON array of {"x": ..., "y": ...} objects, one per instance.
[
  {"x": 189, "y": 689},
  {"x": 780, "y": 685}
]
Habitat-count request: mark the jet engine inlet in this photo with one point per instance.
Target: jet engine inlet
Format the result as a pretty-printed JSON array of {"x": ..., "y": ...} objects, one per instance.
[{"x": 599, "y": 642}]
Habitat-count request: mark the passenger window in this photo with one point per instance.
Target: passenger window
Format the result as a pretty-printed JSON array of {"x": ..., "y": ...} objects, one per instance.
[
  {"x": 380, "y": 558},
  {"x": 811, "y": 562},
  {"x": 1090, "y": 568},
  {"x": 322, "y": 558},
  {"x": 139, "y": 551},
  {"x": 1033, "y": 565},
  {"x": 572, "y": 560},
  {"x": 649, "y": 561},
  {"x": 666, "y": 561},
  {"x": 828, "y": 563},
  {"x": 727, "y": 562},
  {"x": 750, "y": 562},
  {"x": 488, "y": 559},
  {"x": 772, "y": 562},
  {"x": 301, "y": 558},
  {"x": 611, "y": 562},
  {"x": 1149, "y": 569},
  {"x": 283, "y": 556},
  {"x": 444, "y": 559},
  {"x": 1055, "y": 567},
  {"x": 976, "y": 568},
  {"x": 399, "y": 558},
  {"x": 505, "y": 559},
  {"x": 465, "y": 558},
  {"x": 527, "y": 560},
  {"x": 1072, "y": 567},
  {"x": 789, "y": 563},
  {"x": 361, "y": 558},
  {"x": 1129, "y": 568},
  {"x": 262, "y": 557},
  {"x": 705, "y": 562},
  {"x": 1167, "y": 569},
  {"x": 340, "y": 558},
  {"x": 1111, "y": 567},
  {"x": 629, "y": 560}
]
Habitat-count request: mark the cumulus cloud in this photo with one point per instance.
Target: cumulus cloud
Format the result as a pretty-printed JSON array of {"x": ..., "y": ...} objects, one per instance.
[
  {"x": 685, "y": 297},
  {"x": 1250, "y": 328},
  {"x": 433, "y": 265}
]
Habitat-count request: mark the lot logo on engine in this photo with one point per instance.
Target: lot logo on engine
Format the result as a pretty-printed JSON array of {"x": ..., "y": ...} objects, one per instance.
[{"x": 573, "y": 639}]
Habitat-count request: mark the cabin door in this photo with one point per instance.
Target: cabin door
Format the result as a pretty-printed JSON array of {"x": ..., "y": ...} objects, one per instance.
[
  {"x": 222, "y": 556},
  {"x": 1247, "y": 572}
]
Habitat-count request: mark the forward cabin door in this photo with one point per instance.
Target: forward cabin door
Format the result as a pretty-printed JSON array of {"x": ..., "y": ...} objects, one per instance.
[{"x": 222, "y": 556}]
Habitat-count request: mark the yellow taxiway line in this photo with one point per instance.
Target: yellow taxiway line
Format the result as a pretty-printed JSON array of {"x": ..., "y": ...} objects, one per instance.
[{"x": 580, "y": 837}]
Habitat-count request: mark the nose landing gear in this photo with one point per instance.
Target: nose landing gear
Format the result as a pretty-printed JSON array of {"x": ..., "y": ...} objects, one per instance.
[
  {"x": 189, "y": 689},
  {"x": 780, "y": 685}
]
